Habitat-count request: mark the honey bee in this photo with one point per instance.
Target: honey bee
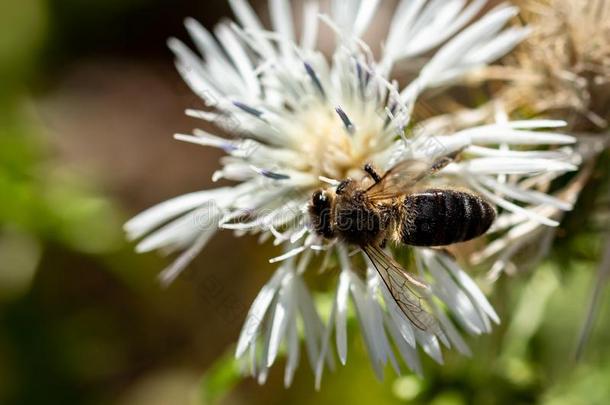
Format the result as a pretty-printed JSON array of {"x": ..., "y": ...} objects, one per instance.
[{"x": 392, "y": 208}]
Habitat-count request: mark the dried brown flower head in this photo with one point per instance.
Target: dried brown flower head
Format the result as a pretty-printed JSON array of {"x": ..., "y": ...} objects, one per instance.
[{"x": 563, "y": 67}]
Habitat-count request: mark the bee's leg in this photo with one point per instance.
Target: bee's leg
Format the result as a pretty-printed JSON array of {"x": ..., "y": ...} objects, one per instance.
[{"x": 371, "y": 172}]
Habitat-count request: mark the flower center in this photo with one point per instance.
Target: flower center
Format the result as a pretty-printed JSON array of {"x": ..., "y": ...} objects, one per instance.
[{"x": 331, "y": 149}]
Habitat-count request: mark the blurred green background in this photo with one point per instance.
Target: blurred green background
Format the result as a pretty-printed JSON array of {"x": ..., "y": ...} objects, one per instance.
[{"x": 88, "y": 102}]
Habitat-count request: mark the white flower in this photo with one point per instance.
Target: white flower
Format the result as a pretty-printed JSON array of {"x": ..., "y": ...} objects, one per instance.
[{"x": 303, "y": 122}]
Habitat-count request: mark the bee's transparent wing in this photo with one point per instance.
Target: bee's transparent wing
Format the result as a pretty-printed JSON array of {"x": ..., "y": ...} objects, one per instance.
[
  {"x": 404, "y": 175},
  {"x": 401, "y": 286}
]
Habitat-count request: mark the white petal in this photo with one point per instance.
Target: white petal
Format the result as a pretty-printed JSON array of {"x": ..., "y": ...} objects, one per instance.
[
  {"x": 281, "y": 18},
  {"x": 447, "y": 17},
  {"x": 263, "y": 369},
  {"x": 451, "y": 54},
  {"x": 527, "y": 196},
  {"x": 430, "y": 345},
  {"x": 457, "y": 301},
  {"x": 312, "y": 325},
  {"x": 341, "y": 317},
  {"x": 245, "y": 14},
  {"x": 310, "y": 24},
  {"x": 470, "y": 286},
  {"x": 216, "y": 61},
  {"x": 528, "y": 124},
  {"x": 239, "y": 56},
  {"x": 205, "y": 140},
  {"x": 445, "y": 144},
  {"x": 498, "y": 46},
  {"x": 319, "y": 365},
  {"x": 169, "y": 274},
  {"x": 507, "y": 205},
  {"x": 402, "y": 21},
  {"x": 471, "y": 10},
  {"x": 370, "y": 331},
  {"x": 519, "y": 154},
  {"x": 247, "y": 17},
  {"x": 500, "y": 165},
  {"x": 365, "y": 15},
  {"x": 381, "y": 339},
  {"x": 452, "y": 333},
  {"x": 182, "y": 231},
  {"x": 291, "y": 253},
  {"x": 280, "y": 318},
  {"x": 149, "y": 219},
  {"x": 408, "y": 352},
  {"x": 398, "y": 317},
  {"x": 258, "y": 310},
  {"x": 494, "y": 134},
  {"x": 292, "y": 342}
]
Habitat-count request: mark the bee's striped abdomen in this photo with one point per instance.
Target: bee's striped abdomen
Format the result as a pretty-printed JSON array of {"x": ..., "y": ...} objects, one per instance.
[{"x": 438, "y": 217}]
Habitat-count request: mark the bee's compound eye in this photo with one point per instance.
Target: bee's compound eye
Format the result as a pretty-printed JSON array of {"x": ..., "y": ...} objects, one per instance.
[{"x": 319, "y": 199}]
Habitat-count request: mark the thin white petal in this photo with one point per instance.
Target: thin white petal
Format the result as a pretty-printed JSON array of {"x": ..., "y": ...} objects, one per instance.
[
  {"x": 519, "y": 154},
  {"x": 507, "y": 205},
  {"x": 498, "y": 134},
  {"x": 257, "y": 311},
  {"x": 281, "y": 18},
  {"x": 527, "y": 196},
  {"x": 408, "y": 353},
  {"x": 531, "y": 124},
  {"x": 470, "y": 286},
  {"x": 459, "y": 303},
  {"x": 324, "y": 350},
  {"x": 514, "y": 166},
  {"x": 263, "y": 369},
  {"x": 370, "y": 332},
  {"x": 149, "y": 219},
  {"x": 312, "y": 325},
  {"x": 452, "y": 333},
  {"x": 430, "y": 345},
  {"x": 180, "y": 232},
  {"x": 381, "y": 338},
  {"x": 280, "y": 319},
  {"x": 398, "y": 317},
  {"x": 247, "y": 17},
  {"x": 341, "y": 317},
  {"x": 365, "y": 14},
  {"x": 239, "y": 56},
  {"x": 310, "y": 24},
  {"x": 291, "y": 253},
  {"x": 169, "y": 274},
  {"x": 452, "y": 52},
  {"x": 292, "y": 342},
  {"x": 499, "y": 46}
]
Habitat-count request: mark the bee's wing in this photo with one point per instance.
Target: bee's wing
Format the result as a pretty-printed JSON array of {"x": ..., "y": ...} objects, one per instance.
[
  {"x": 401, "y": 286},
  {"x": 405, "y": 174}
]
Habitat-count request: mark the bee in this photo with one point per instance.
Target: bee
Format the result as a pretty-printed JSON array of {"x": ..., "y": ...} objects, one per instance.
[{"x": 392, "y": 208}]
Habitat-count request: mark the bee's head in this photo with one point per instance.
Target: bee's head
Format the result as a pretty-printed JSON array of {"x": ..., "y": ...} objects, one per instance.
[
  {"x": 349, "y": 190},
  {"x": 320, "y": 209}
]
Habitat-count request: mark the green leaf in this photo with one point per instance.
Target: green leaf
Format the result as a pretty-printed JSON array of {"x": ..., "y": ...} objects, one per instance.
[{"x": 220, "y": 378}]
